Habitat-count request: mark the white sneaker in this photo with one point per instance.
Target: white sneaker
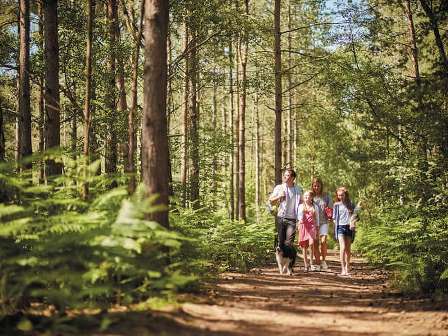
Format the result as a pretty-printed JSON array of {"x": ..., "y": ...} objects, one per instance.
[
  {"x": 315, "y": 268},
  {"x": 324, "y": 265}
]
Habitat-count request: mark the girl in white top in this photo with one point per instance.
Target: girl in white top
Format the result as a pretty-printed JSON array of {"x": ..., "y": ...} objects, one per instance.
[{"x": 343, "y": 213}]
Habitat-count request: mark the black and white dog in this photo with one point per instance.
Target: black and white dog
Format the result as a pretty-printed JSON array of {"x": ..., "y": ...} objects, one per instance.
[{"x": 286, "y": 258}]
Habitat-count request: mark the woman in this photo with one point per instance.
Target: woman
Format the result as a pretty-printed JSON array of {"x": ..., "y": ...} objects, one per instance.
[{"x": 325, "y": 205}]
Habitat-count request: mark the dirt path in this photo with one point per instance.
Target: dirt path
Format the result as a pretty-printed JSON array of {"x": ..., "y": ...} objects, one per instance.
[{"x": 263, "y": 302}]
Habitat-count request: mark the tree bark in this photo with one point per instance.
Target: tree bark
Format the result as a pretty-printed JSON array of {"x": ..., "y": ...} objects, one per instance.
[
  {"x": 133, "y": 110},
  {"x": 257, "y": 158},
  {"x": 194, "y": 119},
  {"x": 24, "y": 81},
  {"x": 41, "y": 96},
  {"x": 87, "y": 103},
  {"x": 215, "y": 129},
  {"x": 236, "y": 153},
  {"x": 110, "y": 99},
  {"x": 278, "y": 95},
  {"x": 244, "y": 44},
  {"x": 74, "y": 134},
  {"x": 154, "y": 124},
  {"x": 52, "y": 106},
  {"x": 414, "y": 49},
  {"x": 232, "y": 143},
  {"x": 120, "y": 78},
  {"x": 289, "y": 127},
  {"x": 2, "y": 135},
  {"x": 185, "y": 119}
]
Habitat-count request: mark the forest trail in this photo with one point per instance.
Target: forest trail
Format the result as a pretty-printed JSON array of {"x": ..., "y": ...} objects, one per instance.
[{"x": 262, "y": 302}]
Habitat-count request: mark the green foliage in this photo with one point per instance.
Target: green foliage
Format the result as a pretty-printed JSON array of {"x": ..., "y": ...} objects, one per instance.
[
  {"x": 410, "y": 239},
  {"x": 224, "y": 244},
  {"x": 60, "y": 250}
]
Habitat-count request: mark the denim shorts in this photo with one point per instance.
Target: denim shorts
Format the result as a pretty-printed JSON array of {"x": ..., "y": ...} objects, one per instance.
[{"x": 344, "y": 230}]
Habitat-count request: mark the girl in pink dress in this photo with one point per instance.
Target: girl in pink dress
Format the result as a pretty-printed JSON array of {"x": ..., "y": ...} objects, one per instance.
[{"x": 308, "y": 217}]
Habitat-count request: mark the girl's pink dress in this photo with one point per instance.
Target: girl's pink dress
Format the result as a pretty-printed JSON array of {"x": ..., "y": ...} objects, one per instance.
[{"x": 307, "y": 233}]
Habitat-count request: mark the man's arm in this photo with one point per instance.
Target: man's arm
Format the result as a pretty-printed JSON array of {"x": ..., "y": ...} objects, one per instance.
[{"x": 277, "y": 196}]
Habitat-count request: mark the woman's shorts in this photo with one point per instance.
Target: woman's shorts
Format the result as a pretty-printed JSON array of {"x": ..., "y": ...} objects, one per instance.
[
  {"x": 323, "y": 229},
  {"x": 344, "y": 230}
]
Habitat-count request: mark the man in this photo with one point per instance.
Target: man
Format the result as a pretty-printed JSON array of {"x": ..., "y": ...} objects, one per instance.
[{"x": 287, "y": 196}]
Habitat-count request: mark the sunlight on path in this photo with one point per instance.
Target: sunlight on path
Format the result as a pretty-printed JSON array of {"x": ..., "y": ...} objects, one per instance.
[{"x": 319, "y": 303}]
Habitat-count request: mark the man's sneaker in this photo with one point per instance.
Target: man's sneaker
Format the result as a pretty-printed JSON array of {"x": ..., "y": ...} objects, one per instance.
[{"x": 324, "y": 265}]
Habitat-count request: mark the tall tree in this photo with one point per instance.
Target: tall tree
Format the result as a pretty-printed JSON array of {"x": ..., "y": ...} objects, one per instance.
[
  {"x": 24, "y": 81},
  {"x": 134, "y": 96},
  {"x": 278, "y": 94},
  {"x": 232, "y": 143},
  {"x": 185, "y": 117},
  {"x": 41, "y": 94},
  {"x": 2, "y": 134},
  {"x": 194, "y": 113},
  {"x": 257, "y": 157},
  {"x": 88, "y": 98},
  {"x": 236, "y": 129},
  {"x": 289, "y": 119},
  {"x": 244, "y": 45},
  {"x": 154, "y": 125},
  {"x": 52, "y": 101},
  {"x": 110, "y": 99}
]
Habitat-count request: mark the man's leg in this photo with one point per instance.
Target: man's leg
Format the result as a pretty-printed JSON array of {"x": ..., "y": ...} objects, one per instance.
[
  {"x": 281, "y": 229},
  {"x": 290, "y": 233}
]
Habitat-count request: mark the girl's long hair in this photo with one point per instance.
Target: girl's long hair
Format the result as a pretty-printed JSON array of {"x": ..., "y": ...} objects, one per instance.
[
  {"x": 318, "y": 180},
  {"x": 347, "y": 202}
]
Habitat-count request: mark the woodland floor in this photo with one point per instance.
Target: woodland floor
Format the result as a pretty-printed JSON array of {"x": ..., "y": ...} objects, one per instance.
[{"x": 262, "y": 302}]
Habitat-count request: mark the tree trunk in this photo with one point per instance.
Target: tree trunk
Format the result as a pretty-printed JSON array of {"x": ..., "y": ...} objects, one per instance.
[
  {"x": 2, "y": 135},
  {"x": 87, "y": 102},
  {"x": 257, "y": 158},
  {"x": 278, "y": 96},
  {"x": 244, "y": 45},
  {"x": 290, "y": 128},
  {"x": 169, "y": 111},
  {"x": 41, "y": 96},
  {"x": 236, "y": 160},
  {"x": 194, "y": 119},
  {"x": 413, "y": 41},
  {"x": 52, "y": 107},
  {"x": 185, "y": 119},
  {"x": 154, "y": 125},
  {"x": 110, "y": 99},
  {"x": 120, "y": 79},
  {"x": 24, "y": 81},
  {"x": 215, "y": 129},
  {"x": 232, "y": 143},
  {"x": 133, "y": 110}
]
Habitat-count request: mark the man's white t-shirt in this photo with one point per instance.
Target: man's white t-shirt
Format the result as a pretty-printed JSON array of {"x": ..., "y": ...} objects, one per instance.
[{"x": 288, "y": 207}]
